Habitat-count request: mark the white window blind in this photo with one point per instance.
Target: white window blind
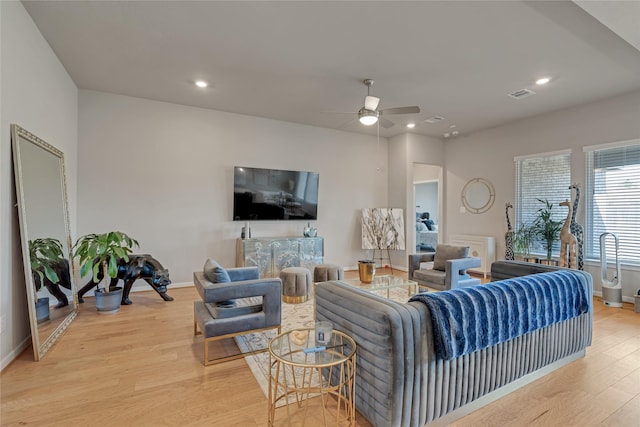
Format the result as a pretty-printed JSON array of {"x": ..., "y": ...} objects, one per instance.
[
  {"x": 547, "y": 177},
  {"x": 613, "y": 201}
]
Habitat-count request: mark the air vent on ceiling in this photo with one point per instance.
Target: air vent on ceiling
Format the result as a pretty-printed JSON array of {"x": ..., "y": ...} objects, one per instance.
[
  {"x": 434, "y": 119},
  {"x": 522, "y": 93}
]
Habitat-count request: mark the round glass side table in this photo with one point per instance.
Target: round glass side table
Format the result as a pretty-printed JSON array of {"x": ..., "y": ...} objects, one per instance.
[{"x": 301, "y": 370}]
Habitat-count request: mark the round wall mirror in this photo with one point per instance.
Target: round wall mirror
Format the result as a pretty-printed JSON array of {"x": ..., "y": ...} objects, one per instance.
[{"x": 478, "y": 195}]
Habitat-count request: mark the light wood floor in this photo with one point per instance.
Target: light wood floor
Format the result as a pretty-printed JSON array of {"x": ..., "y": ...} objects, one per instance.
[{"x": 143, "y": 367}]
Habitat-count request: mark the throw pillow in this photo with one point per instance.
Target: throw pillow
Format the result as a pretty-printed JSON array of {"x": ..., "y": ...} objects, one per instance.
[
  {"x": 420, "y": 227},
  {"x": 215, "y": 273},
  {"x": 447, "y": 252}
]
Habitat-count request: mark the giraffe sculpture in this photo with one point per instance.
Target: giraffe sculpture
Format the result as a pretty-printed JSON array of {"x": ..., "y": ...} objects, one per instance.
[
  {"x": 508, "y": 236},
  {"x": 568, "y": 242},
  {"x": 577, "y": 229}
]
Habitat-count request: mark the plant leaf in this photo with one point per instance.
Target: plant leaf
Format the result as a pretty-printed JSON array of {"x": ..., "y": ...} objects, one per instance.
[{"x": 113, "y": 267}]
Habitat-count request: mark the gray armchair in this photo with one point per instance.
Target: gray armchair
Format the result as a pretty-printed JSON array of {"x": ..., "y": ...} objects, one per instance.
[
  {"x": 449, "y": 269},
  {"x": 235, "y": 301}
]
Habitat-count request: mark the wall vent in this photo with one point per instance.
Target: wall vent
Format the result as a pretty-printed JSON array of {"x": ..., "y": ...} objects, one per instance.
[
  {"x": 434, "y": 119},
  {"x": 522, "y": 93}
]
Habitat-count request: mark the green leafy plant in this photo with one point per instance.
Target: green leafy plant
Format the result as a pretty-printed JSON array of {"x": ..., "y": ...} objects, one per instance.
[
  {"x": 101, "y": 251},
  {"x": 43, "y": 253},
  {"x": 523, "y": 237},
  {"x": 545, "y": 227}
]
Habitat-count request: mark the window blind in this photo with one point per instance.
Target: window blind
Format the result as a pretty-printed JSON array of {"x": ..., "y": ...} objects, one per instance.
[
  {"x": 547, "y": 177},
  {"x": 612, "y": 203}
]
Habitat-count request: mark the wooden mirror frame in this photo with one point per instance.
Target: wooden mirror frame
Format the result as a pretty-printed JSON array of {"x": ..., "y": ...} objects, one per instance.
[{"x": 42, "y": 197}]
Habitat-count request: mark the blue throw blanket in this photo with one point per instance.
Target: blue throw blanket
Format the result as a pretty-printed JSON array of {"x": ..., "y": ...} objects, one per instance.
[{"x": 469, "y": 319}]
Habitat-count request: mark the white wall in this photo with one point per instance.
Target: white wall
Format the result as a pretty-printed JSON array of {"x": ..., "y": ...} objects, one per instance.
[
  {"x": 38, "y": 94},
  {"x": 163, "y": 173},
  {"x": 404, "y": 151},
  {"x": 489, "y": 154}
]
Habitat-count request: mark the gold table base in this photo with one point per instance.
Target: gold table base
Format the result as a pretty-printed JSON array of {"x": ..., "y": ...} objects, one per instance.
[{"x": 297, "y": 379}]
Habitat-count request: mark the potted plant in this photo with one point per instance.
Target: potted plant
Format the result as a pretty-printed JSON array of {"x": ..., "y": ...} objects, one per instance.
[
  {"x": 523, "y": 237},
  {"x": 545, "y": 227},
  {"x": 99, "y": 254},
  {"x": 43, "y": 254}
]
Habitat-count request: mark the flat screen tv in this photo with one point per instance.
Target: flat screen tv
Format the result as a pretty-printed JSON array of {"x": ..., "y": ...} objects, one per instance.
[{"x": 272, "y": 194}]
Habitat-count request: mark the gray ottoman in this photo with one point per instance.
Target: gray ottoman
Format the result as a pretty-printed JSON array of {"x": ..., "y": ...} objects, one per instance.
[
  {"x": 326, "y": 272},
  {"x": 296, "y": 284}
]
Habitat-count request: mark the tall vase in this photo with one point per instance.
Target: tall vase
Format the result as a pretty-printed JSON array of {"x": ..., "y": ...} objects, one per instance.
[{"x": 366, "y": 270}]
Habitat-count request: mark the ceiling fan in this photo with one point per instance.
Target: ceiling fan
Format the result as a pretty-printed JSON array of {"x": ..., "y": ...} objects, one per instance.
[{"x": 369, "y": 114}]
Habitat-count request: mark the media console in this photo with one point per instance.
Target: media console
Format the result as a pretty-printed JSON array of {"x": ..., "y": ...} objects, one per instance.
[{"x": 272, "y": 254}]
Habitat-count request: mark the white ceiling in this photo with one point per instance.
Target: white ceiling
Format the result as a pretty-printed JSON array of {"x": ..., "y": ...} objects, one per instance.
[{"x": 293, "y": 61}]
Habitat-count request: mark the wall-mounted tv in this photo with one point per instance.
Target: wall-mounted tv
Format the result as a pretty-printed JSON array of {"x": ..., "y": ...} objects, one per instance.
[{"x": 273, "y": 194}]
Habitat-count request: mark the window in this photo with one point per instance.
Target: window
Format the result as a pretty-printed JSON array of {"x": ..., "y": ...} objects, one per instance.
[
  {"x": 544, "y": 177},
  {"x": 612, "y": 200}
]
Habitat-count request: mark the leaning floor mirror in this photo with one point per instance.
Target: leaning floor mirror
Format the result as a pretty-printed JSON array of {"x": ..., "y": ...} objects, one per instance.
[{"x": 45, "y": 236}]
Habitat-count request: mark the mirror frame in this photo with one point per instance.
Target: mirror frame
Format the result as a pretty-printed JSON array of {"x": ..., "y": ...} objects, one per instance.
[
  {"x": 488, "y": 203},
  {"x": 41, "y": 344}
]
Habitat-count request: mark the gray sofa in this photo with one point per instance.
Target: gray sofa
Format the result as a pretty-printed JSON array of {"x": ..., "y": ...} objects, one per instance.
[
  {"x": 507, "y": 269},
  {"x": 400, "y": 379}
]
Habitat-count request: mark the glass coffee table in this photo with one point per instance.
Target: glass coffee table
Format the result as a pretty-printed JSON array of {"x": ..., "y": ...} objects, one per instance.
[{"x": 385, "y": 282}]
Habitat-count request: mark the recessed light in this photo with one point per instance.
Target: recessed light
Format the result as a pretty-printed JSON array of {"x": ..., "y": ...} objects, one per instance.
[
  {"x": 411, "y": 125},
  {"x": 452, "y": 127},
  {"x": 201, "y": 83},
  {"x": 543, "y": 81}
]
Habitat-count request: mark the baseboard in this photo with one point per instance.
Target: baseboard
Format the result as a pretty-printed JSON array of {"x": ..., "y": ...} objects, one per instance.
[
  {"x": 631, "y": 300},
  {"x": 142, "y": 286},
  {"x": 355, "y": 268},
  {"x": 504, "y": 390},
  {"x": 6, "y": 361}
]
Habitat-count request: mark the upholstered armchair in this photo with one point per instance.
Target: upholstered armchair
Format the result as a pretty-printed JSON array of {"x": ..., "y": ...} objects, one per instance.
[
  {"x": 235, "y": 301},
  {"x": 446, "y": 268}
]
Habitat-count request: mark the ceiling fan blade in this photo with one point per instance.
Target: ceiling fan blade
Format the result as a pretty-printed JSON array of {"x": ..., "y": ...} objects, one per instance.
[
  {"x": 371, "y": 102},
  {"x": 385, "y": 123},
  {"x": 401, "y": 110},
  {"x": 339, "y": 112},
  {"x": 345, "y": 124}
]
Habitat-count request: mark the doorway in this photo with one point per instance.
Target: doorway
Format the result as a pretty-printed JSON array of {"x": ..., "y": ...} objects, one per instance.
[{"x": 427, "y": 196}]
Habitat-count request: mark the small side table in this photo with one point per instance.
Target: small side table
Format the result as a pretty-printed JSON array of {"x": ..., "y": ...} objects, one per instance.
[{"x": 296, "y": 376}]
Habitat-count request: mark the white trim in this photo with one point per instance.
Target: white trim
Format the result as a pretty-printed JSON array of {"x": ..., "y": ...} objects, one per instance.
[
  {"x": 630, "y": 300},
  {"x": 591, "y": 262},
  {"x": 549, "y": 154},
  {"x": 15, "y": 353},
  {"x": 142, "y": 286},
  {"x": 618, "y": 144},
  {"x": 355, "y": 268}
]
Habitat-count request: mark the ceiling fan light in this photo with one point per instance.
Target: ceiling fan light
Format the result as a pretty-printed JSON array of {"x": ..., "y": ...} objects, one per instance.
[
  {"x": 368, "y": 120},
  {"x": 368, "y": 117}
]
